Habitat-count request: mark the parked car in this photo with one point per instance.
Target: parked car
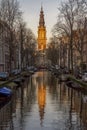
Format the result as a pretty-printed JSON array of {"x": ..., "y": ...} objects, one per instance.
[
  {"x": 4, "y": 75},
  {"x": 84, "y": 77},
  {"x": 15, "y": 72}
]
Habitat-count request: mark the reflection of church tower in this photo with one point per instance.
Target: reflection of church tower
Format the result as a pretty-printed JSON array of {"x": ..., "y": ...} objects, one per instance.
[
  {"x": 41, "y": 32},
  {"x": 41, "y": 101}
]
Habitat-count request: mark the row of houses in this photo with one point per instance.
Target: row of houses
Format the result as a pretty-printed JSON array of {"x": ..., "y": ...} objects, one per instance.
[
  {"x": 16, "y": 47},
  {"x": 5, "y": 49},
  {"x": 79, "y": 49}
]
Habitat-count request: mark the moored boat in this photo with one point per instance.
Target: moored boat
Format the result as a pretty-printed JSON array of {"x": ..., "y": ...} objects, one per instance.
[
  {"x": 17, "y": 81},
  {"x": 5, "y": 92}
]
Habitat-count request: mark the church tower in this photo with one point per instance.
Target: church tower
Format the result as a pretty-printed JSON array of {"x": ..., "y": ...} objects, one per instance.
[{"x": 41, "y": 32}]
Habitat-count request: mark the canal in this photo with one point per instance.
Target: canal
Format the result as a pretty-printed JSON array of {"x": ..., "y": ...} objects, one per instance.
[{"x": 42, "y": 103}]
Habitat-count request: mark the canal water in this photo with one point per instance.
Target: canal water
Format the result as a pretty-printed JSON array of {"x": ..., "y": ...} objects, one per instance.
[{"x": 42, "y": 103}]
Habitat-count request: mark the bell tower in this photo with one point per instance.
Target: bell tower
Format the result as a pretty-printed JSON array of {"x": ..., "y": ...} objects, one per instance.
[{"x": 41, "y": 32}]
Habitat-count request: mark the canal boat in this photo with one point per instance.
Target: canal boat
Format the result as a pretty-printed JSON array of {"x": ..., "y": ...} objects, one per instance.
[
  {"x": 22, "y": 79},
  {"x": 74, "y": 85},
  {"x": 17, "y": 81},
  {"x": 26, "y": 75},
  {"x": 5, "y": 92},
  {"x": 5, "y": 96},
  {"x": 69, "y": 83}
]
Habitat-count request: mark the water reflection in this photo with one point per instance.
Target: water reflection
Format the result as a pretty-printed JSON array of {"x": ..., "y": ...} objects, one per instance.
[{"x": 43, "y": 103}]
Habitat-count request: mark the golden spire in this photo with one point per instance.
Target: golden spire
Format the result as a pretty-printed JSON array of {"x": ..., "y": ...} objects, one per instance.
[{"x": 41, "y": 31}]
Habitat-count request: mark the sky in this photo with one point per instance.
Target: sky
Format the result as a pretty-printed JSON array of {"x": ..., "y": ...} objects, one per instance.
[{"x": 31, "y": 11}]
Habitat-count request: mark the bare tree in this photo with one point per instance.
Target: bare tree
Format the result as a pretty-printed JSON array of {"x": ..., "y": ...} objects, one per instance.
[
  {"x": 26, "y": 42},
  {"x": 21, "y": 32},
  {"x": 66, "y": 24},
  {"x": 30, "y": 47},
  {"x": 9, "y": 11},
  {"x": 80, "y": 38},
  {"x": 52, "y": 51}
]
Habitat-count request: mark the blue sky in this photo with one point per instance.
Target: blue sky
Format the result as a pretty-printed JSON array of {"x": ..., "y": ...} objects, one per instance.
[{"x": 31, "y": 11}]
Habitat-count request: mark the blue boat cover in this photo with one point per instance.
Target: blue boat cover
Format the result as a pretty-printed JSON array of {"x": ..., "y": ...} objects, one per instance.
[{"x": 5, "y": 91}]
